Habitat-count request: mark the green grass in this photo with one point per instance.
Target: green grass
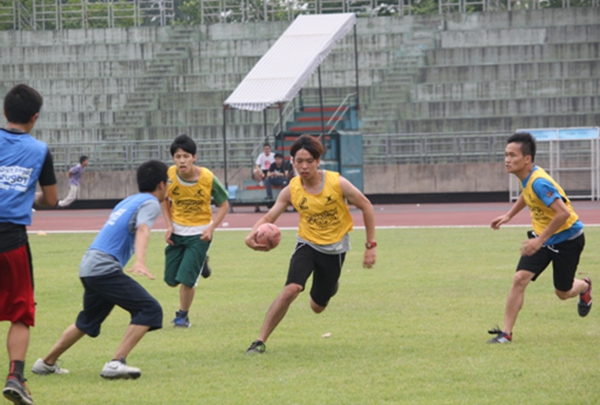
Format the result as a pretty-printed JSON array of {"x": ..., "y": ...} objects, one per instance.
[{"x": 412, "y": 330}]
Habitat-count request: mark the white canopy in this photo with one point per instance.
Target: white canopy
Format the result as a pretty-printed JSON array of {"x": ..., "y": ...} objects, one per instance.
[{"x": 282, "y": 71}]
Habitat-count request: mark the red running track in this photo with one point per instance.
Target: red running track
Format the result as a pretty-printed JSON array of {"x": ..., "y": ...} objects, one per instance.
[{"x": 402, "y": 215}]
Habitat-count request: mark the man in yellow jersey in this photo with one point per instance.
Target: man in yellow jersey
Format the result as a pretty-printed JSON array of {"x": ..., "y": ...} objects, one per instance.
[
  {"x": 320, "y": 197},
  {"x": 557, "y": 235},
  {"x": 190, "y": 223}
]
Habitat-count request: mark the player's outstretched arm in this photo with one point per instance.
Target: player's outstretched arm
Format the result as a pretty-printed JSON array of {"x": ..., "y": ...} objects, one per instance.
[
  {"x": 281, "y": 204},
  {"x": 358, "y": 199},
  {"x": 514, "y": 210},
  {"x": 142, "y": 234}
]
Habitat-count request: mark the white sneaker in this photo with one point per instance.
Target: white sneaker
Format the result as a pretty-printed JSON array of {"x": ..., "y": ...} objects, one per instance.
[
  {"x": 41, "y": 368},
  {"x": 118, "y": 369}
]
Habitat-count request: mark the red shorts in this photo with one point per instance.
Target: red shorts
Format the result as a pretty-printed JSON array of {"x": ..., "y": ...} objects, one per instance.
[{"x": 16, "y": 286}]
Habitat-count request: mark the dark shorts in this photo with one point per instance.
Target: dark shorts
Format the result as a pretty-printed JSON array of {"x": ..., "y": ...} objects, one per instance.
[
  {"x": 564, "y": 257},
  {"x": 17, "y": 303},
  {"x": 184, "y": 260},
  {"x": 101, "y": 295},
  {"x": 326, "y": 271}
]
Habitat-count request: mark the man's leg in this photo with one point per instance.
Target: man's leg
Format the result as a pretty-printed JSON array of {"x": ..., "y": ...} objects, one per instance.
[
  {"x": 516, "y": 297},
  {"x": 70, "y": 336},
  {"x": 579, "y": 287},
  {"x": 133, "y": 335},
  {"x": 268, "y": 184},
  {"x": 72, "y": 196},
  {"x": 186, "y": 297},
  {"x": 17, "y": 341},
  {"x": 278, "y": 309}
]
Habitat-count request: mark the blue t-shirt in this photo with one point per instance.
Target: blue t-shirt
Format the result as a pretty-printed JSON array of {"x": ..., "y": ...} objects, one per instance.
[
  {"x": 21, "y": 163},
  {"x": 547, "y": 193},
  {"x": 114, "y": 245}
]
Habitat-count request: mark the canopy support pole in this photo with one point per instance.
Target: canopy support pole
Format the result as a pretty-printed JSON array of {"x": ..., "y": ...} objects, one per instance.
[{"x": 321, "y": 106}]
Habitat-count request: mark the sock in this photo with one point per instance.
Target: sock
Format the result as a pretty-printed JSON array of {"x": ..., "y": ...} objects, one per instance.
[
  {"x": 16, "y": 369},
  {"x": 182, "y": 313}
]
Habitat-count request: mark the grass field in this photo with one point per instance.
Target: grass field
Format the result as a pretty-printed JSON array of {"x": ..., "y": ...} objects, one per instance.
[{"x": 412, "y": 330}]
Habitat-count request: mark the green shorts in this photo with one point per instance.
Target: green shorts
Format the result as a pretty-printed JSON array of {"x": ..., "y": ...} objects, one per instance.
[{"x": 184, "y": 260}]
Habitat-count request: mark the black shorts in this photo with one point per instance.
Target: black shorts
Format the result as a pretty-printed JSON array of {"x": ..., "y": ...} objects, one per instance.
[
  {"x": 564, "y": 257},
  {"x": 101, "y": 295},
  {"x": 327, "y": 270}
]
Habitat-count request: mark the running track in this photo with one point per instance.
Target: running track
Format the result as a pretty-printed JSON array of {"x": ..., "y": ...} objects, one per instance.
[{"x": 404, "y": 215}]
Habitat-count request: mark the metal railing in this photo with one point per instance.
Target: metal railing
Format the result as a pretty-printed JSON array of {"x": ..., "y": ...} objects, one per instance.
[
  {"x": 83, "y": 14},
  {"x": 224, "y": 11},
  {"x": 54, "y": 14},
  {"x": 128, "y": 155}
]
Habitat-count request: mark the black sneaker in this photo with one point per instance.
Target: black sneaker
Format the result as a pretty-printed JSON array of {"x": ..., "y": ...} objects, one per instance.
[
  {"x": 585, "y": 300},
  {"x": 257, "y": 347},
  {"x": 501, "y": 337},
  {"x": 206, "y": 271},
  {"x": 17, "y": 391}
]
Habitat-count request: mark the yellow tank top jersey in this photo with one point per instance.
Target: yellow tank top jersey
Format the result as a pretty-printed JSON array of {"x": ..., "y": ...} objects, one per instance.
[
  {"x": 190, "y": 205},
  {"x": 540, "y": 214},
  {"x": 324, "y": 217}
]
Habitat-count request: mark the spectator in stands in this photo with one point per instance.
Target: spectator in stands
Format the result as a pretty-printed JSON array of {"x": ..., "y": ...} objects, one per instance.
[
  {"x": 278, "y": 175},
  {"x": 74, "y": 179},
  {"x": 24, "y": 161},
  {"x": 263, "y": 162}
]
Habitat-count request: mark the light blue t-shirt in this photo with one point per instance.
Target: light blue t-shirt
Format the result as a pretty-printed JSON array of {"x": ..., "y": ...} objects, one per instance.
[{"x": 114, "y": 245}]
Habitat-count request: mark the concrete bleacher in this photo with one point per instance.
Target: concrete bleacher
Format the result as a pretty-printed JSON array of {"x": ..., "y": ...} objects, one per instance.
[
  {"x": 502, "y": 71},
  {"x": 418, "y": 74}
]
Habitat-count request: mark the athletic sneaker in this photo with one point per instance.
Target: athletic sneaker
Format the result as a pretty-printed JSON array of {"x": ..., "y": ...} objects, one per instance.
[
  {"x": 41, "y": 368},
  {"x": 257, "y": 347},
  {"x": 17, "y": 391},
  {"x": 181, "y": 320},
  {"x": 206, "y": 271},
  {"x": 585, "y": 300},
  {"x": 501, "y": 337},
  {"x": 119, "y": 369}
]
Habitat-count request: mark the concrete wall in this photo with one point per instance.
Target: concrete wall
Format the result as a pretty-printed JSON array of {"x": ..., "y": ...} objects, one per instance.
[{"x": 389, "y": 179}]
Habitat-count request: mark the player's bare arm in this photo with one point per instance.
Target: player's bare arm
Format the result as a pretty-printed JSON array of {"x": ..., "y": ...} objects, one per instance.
[
  {"x": 142, "y": 234},
  {"x": 514, "y": 210},
  {"x": 283, "y": 200},
  {"x": 217, "y": 219},
  {"x": 358, "y": 199},
  {"x": 532, "y": 245},
  {"x": 48, "y": 197},
  {"x": 165, "y": 208}
]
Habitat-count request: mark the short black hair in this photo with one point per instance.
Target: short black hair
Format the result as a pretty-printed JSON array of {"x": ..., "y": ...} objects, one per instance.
[
  {"x": 150, "y": 174},
  {"x": 185, "y": 143},
  {"x": 83, "y": 159},
  {"x": 310, "y": 143},
  {"x": 21, "y": 103},
  {"x": 527, "y": 141},
  {"x": 278, "y": 155}
]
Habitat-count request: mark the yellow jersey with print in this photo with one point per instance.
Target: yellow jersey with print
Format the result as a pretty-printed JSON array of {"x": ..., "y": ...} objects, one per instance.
[
  {"x": 324, "y": 217},
  {"x": 190, "y": 202},
  {"x": 541, "y": 215}
]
